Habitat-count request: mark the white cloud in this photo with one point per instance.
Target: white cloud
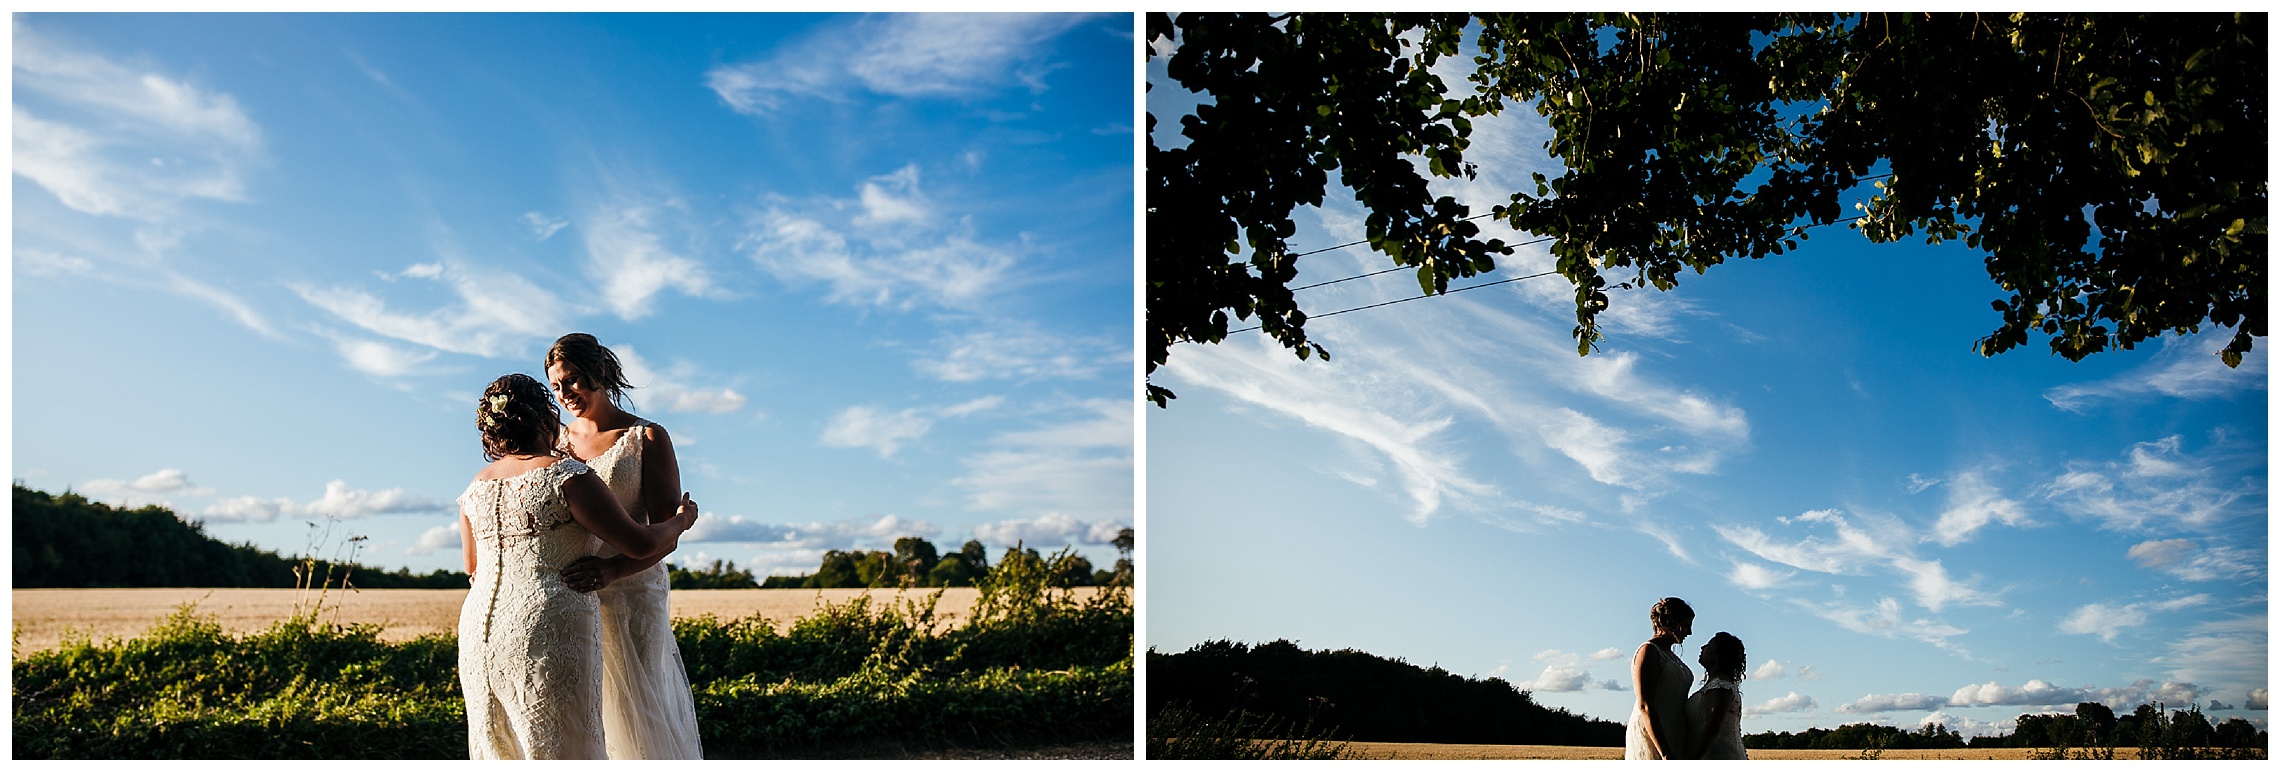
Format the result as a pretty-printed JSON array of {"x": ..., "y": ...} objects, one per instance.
[
  {"x": 2033, "y": 692},
  {"x": 442, "y": 537},
  {"x": 1879, "y": 703},
  {"x": 2184, "y": 559},
  {"x": 144, "y": 143},
  {"x": 670, "y": 391},
  {"x": 1751, "y": 576},
  {"x": 864, "y": 426},
  {"x": 794, "y": 548},
  {"x": 2186, "y": 367},
  {"x": 629, "y": 260},
  {"x": 1788, "y": 703},
  {"x": 154, "y": 488},
  {"x": 1019, "y": 351},
  {"x": 1918, "y": 483},
  {"x": 380, "y": 359},
  {"x": 1607, "y": 654},
  {"x": 1048, "y": 531},
  {"x": 1558, "y": 679},
  {"x": 2259, "y": 698},
  {"x": 1964, "y": 725},
  {"x": 1855, "y": 548},
  {"x": 2108, "y": 621},
  {"x": 1080, "y": 466},
  {"x": 1972, "y": 504},
  {"x": 900, "y": 55},
  {"x": 543, "y": 227},
  {"x": 2159, "y": 484},
  {"x": 1774, "y": 668},
  {"x": 339, "y": 501},
  {"x": 879, "y": 253},
  {"x": 1933, "y": 587},
  {"x": 1884, "y": 619},
  {"x": 498, "y": 315},
  {"x": 713, "y": 528},
  {"x": 41, "y": 262},
  {"x": 2229, "y": 654}
]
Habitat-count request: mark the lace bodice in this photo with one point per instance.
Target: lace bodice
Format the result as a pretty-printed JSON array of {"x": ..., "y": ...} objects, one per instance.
[
  {"x": 518, "y": 521},
  {"x": 620, "y": 468}
]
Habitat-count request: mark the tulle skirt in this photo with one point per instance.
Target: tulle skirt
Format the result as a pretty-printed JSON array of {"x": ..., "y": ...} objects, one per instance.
[{"x": 648, "y": 711}]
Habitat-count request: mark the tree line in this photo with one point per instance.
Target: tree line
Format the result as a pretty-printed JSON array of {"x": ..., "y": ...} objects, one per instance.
[
  {"x": 1350, "y": 695},
  {"x": 2176, "y": 734},
  {"x": 68, "y": 541},
  {"x": 916, "y": 562}
]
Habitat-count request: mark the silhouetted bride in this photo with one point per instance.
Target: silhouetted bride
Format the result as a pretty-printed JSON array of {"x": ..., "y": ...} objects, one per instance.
[
  {"x": 1714, "y": 714},
  {"x": 1659, "y": 679}
]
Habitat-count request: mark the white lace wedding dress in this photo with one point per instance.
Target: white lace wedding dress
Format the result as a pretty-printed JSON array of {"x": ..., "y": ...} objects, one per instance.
[
  {"x": 1726, "y": 737},
  {"x": 530, "y": 650},
  {"x": 648, "y": 711}
]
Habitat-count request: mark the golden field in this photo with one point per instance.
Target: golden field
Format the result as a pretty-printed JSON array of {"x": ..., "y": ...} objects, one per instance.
[
  {"x": 1574, "y": 753},
  {"x": 42, "y": 616}
]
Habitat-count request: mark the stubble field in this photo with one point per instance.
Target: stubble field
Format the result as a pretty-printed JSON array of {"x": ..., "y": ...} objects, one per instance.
[
  {"x": 1575, "y": 753},
  {"x": 42, "y": 616}
]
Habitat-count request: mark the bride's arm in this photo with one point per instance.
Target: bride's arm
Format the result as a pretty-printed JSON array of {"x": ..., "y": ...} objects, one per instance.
[
  {"x": 467, "y": 545},
  {"x": 592, "y": 505}
]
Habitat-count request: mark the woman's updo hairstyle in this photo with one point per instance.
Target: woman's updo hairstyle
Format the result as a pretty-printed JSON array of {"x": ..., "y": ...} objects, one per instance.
[
  {"x": 583, "y": 354},
  {"x": 1723, "y": 656},
  {"x": 1668, "y": 611},
  {"x": 517, "y": 417}
]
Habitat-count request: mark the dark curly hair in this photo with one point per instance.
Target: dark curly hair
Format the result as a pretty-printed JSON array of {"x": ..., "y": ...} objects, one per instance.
[
  {"x": 517, "y": 416},
  {"x": 1668, "y": 611},
  {"x": 1723, "y": 656},
  {"x": 593, "y": 362}
]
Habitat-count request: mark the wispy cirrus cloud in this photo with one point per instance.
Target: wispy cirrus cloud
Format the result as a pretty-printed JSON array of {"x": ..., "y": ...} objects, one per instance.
[
  {"x": 670, "y": 389},
  {"x": 1972, "y": 504},
  {"x": 1857, "y": 546},
  {"x": 2186, "y": 367},
  {"x": 497, "y": 314},
  {"x": 2159, "y": 485},
  {"x": 2187, "y": 560},
  {"x": 120, "y": 140},
  {"x": 890, "y": 247},
  {"x": 1883, "y": 619},
  {"x": 1078, "y": 465},
  {"x": 630, "y": 260},
  {"x": 1019, "y": 351},
  {"x": 885, "y": 431},
  {"x": 2107, "y": 621},
  {"x": 930, "y": 55}
]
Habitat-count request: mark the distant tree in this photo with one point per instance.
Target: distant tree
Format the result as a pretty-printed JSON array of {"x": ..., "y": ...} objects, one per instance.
[
  {"x": 2110, "y": 166},
  {"x": 719, "y": 576},
  {"x": 785, "y": 582},
  {"x": 2097, "y": 721},
  {"x": 915, "y": 557},
  {"x": 837, "y": 570}
]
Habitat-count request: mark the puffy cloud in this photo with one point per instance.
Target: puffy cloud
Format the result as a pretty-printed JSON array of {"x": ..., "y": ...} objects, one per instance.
[
  {"x": 339, "y": 502},
  {"x": 1751, "y": 576},
  {"x": 2033, "y": 692},
  {"x": 1967, "y": 726},
  {"x": 2220, "y": 705},
  {"x": 900, "y": 55},
  {"x": 1558, "y": 679},
  {"x": 2184, "y": 559},
  {"x": 1935, "y": 589},
  {"x": 1047, "y": 531},
  {"x": 442, "y": 537},
  {"x": 670, "y": 390},
  {"x": 1565, "y": 672},
  {"x": 1972, "y": 504},
  {"x": 2184, "y": 368},
  {"x": 2259, "y": 698},
  {"x": 1607, "y": 654},
  {"x": 713, "y": 528},
  {"x": 1879, "y": 703},
  {"x": 2158, "y": 484},
  {"x": 1788, "y": 703},
  {"x": 2108, "y": 621},
  {"x": 153, "y": 488},
  {"x": 1771, "y": 669}
]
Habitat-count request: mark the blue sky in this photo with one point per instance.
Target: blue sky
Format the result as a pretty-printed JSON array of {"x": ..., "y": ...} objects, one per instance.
[
  {"x": 1805, "y": 447},
  {"x": 873, "y": 272}
]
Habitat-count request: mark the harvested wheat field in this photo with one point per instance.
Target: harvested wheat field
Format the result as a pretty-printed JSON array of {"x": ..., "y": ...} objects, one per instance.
[
  {"x": 1573, "y": 752},
  {"x": 42, "y": 616}
]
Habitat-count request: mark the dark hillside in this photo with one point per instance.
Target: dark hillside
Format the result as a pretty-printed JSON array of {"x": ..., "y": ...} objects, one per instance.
[{"x": 1359, "y": 696}]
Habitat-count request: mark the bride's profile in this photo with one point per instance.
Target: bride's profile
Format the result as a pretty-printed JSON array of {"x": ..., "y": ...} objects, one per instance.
[
  {"x": 648, "y": 711},
  {"x": 530, "y": 651},
  {"x": 1715, "y": 712}
]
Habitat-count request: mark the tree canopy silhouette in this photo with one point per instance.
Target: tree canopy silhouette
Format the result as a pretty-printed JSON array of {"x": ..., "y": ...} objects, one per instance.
[{"x": 2110, "y": 166}]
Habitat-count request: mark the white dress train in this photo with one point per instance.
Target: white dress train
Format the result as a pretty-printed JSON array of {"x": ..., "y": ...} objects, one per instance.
[
  {"x": 648, "y": 711},
  {"x": 530, "y": 650}
]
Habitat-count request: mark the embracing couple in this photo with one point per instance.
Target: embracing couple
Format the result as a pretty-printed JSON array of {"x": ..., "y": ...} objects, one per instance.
[
  {"x": 566, "y": 647},
  {"x": 1666, "y": 723}
]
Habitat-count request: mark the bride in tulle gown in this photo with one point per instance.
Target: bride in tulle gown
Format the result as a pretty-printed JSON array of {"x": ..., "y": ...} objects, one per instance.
[
  {"x": 530, "y": 647},
  {"x": 1714, "y": 713},
  {"x": 1658, "y": 727},
  {"x": 648, "y": 711}
]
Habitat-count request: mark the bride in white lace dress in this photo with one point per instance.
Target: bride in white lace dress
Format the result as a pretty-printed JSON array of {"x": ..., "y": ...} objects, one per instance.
[
  {"x": 1715, "y": 712},
  {"x": 1657, "y": 728},
  {"x": 530, "y": 659},
  {"x": 648, "y": 711}
]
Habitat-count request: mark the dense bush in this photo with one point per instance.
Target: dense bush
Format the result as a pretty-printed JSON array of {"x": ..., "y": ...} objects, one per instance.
[{"x": 1032, "y": 665}]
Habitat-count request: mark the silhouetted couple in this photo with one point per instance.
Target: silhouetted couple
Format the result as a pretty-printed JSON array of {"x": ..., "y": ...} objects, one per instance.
[{"x": 1667, "y": 723}]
